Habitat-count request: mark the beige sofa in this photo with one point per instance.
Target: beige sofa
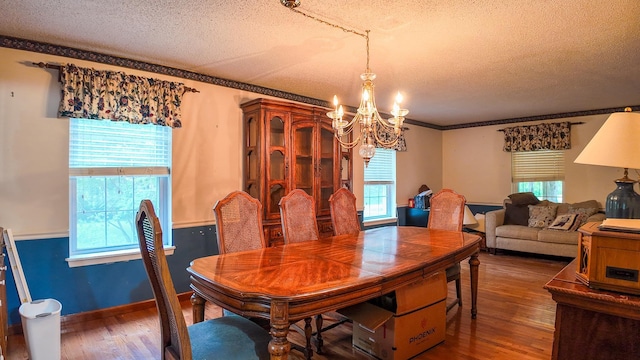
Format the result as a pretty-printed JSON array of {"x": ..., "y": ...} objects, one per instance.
[{"x": 539, "y": 238}]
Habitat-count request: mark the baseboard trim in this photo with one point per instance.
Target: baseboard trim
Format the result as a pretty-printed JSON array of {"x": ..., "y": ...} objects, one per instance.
[{"x": 67, "y": 320}]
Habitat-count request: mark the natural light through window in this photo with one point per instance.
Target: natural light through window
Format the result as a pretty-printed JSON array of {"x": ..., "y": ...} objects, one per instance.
[
  {"x": 539, "y": 172},
  {"x": 379, "y": 186},
  {"x": 113, "y": 165}
]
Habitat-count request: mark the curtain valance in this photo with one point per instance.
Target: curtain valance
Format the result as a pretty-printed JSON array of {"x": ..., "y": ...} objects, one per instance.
[
  {"x": 548, "y": 136},
  {"x": 113, "y": 95},
  {"x": 386, "y": 135}
]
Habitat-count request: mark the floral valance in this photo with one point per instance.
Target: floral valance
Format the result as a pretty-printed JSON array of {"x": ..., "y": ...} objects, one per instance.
[
  {"x": 548, "y": 136},
  {"x": 386, "y": 134},
  {"x": 113, "y": 95}
]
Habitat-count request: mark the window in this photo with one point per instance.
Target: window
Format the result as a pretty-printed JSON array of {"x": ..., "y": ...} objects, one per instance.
[
  {"x": 379, "y": 186},
  {"x": 113, "y": 165},
  {"x": 540, "y": 172}
]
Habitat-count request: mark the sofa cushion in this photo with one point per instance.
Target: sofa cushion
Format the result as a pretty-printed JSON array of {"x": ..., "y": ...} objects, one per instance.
[
  {"x": 516, "y": 214},
  {"x": 517, "y": 232},
  {"x": 558, "y": 237},
  {"x": 583, "y": 213},
  {"x": 541, "y": 216},
  {"x": 564, "y": 207},
  {"x": 523, "y": 198}
]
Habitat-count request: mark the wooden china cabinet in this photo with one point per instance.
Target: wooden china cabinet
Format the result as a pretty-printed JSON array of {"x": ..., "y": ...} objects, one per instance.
[{"x": 291, "y": 146}]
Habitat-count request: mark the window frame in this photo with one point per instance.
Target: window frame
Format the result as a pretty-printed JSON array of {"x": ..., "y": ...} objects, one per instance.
[
  {"x": 161, "y": 176},
  {"x": 540, "y": 169},
  {"x": 377, "y": 178}
]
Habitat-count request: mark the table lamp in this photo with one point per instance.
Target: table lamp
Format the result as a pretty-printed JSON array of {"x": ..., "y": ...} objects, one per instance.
[
  {"x": 469, "y": 219},
  {"x": 617, "y": 144}
]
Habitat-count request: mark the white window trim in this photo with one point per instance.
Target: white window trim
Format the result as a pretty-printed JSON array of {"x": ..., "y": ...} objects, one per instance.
[
  {"x": 382, "y": 221},
  {"x": 392, "y": 203},
  {"x": 108, "y": 257},
  {"x": 129, "y": 253}
]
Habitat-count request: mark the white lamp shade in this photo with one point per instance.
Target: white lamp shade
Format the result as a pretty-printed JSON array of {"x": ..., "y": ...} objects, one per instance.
[
  {"x": 616, "y": 144},
  {"x": 469, "y": 219}
]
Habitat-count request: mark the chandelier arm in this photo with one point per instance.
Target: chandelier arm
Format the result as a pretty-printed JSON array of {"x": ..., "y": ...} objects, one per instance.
[
  {"x": 383, "y": 122},
  {"x": 351, "y": 123},
  {"x": 346, "y": 144}
]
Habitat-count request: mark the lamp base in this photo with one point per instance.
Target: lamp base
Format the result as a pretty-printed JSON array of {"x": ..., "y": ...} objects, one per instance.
[{"x": 623, "y": 202}]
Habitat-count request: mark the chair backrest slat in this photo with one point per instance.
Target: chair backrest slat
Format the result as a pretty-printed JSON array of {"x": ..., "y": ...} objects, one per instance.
[
  {"x": 239, "y": 223},
  {"x": 298, "y": 213},
  {"x": 344, "y": 215},
  {"x": 173, "y": 328},
  {"x": 446, "y": 211}
]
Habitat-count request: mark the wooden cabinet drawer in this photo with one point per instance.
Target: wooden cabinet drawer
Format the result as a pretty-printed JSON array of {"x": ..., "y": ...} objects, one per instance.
[{"x": 274, "y": 236}]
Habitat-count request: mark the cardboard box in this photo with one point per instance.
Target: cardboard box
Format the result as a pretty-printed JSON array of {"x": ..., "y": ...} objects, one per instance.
[{"x": 402, "y": 324}]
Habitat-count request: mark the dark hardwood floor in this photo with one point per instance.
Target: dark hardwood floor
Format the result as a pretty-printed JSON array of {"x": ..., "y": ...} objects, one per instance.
[{"x": 515, "y": 321}]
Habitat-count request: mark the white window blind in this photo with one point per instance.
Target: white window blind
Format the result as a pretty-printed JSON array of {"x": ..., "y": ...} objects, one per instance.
[
  {"x": 103, "y": 143},
  {"x": 113, "y": 165},
  {"x": 382, "y": 167},
  {"x": 379, "y": 186},
  {"x": 528, "y": 166}
]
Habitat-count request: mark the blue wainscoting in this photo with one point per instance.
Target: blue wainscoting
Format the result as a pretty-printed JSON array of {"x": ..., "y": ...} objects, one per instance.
[
  {"x": 95, "y": 287},
  {"x": 419, "y": 217}
]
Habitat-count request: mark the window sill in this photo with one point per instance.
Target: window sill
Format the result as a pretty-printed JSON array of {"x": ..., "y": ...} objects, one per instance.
[
  {"x": 110, "y": 257},
  {"x": 380, "y": 221}
]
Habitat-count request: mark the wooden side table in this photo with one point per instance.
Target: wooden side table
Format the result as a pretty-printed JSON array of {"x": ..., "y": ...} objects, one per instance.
[
  {"x": 609, "y": 260},
  {"x": 593, "y": 324}
]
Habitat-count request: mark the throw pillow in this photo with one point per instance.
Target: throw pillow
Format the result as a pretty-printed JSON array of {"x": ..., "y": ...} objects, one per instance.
[
  {"x": 541, "y": 216},
  {"x": 516, "y": 214},
  {"x": 564, "y": 222},
  {"x": 580, "y": 220},
  {"x": 524, "y": 198},
  {"x": 583, "y": 214}
]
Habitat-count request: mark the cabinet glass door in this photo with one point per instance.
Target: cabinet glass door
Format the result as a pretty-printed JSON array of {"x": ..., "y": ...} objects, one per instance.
[
  {"x": 326, "y": 167},
  {"x": 252, "y": 160},
  {"x": 303, "y": 145},
  {"x": 276, "y": 165}
]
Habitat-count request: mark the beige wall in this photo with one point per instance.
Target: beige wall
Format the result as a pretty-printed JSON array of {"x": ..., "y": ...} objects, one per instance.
[
  {"x": 207, "y": 153},
  {"x": 420, "y": 164},
  {"x": 475, "y": 165},
  {"x": 34, "y": 190}
]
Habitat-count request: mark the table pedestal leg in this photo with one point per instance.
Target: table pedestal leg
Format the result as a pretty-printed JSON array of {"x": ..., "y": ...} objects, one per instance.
[
  {"x": 197, "y": 305},
  {"x": 473, "y": 267},
  {"x": 279, "y": 346}
]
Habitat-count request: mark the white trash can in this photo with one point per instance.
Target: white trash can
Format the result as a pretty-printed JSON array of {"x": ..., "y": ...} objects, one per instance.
[{"x": 41, "y": 327}]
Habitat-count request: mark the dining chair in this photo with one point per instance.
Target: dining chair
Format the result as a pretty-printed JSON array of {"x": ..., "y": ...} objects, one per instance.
[
  {"x": 239, "y": 228},
  {"x": 344, "y": 215},
  {"x": 298, "y": 216},
  {"x": 446, "y": 212},
  {"x": 227, "y": 337},
  {"x": 239, "y": 223}
]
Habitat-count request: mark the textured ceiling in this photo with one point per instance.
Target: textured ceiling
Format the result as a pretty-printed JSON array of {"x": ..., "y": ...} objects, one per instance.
[{"x": 456, "y": 61}]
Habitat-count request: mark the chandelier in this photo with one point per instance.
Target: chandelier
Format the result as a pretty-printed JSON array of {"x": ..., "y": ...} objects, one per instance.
[{"x": 367, "y": 118}]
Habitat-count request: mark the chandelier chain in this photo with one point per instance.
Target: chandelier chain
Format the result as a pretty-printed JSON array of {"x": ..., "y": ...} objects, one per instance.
[
  {"x": 367, "y": 117},
  {"x": 330, "y": 24}
]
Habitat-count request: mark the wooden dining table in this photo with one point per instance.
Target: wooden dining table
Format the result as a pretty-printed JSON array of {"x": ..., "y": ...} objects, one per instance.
[{"x": 292, "y": 282}]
